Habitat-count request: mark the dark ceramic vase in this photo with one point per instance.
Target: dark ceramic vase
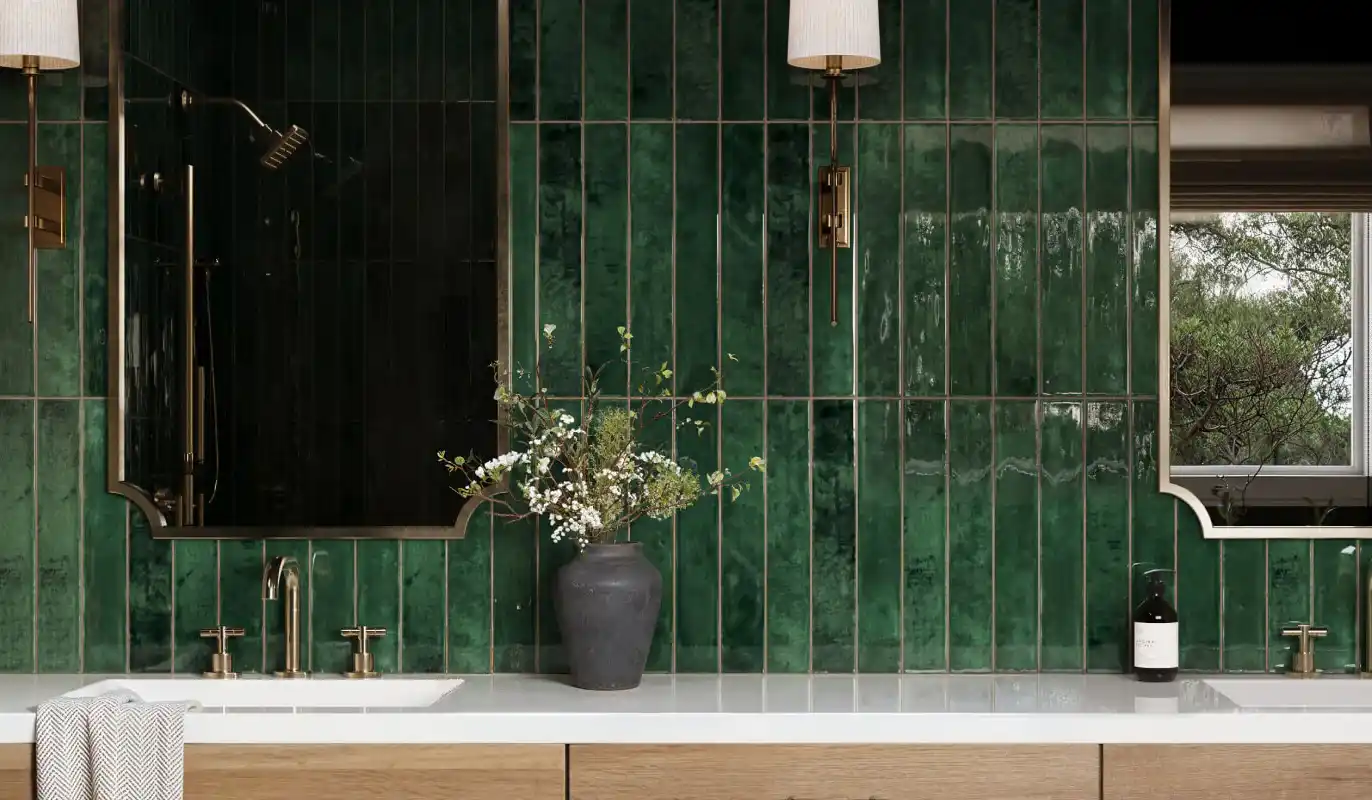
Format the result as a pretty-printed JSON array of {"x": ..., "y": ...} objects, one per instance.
[{"x": 607, "y": 600}]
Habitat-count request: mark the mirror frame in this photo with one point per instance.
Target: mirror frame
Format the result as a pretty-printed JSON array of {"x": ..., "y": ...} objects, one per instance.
[
  {"x": 116, "y": 477},
  {"x": 1164, "y": 458}
]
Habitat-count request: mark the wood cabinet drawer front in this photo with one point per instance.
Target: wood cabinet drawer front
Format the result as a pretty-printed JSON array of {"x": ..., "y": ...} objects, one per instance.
[
  {"x": 16, "y": 771},
  {"x": 1237, "y": 772},
  {"x": 823, "y": 772}
]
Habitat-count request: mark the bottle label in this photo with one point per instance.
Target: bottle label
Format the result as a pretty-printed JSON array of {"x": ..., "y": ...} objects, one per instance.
[{"x": 1155, "y": 645}]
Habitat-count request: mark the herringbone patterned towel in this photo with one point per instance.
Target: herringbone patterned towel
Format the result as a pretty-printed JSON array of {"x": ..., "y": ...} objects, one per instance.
[{"x": 110, "y": 747}]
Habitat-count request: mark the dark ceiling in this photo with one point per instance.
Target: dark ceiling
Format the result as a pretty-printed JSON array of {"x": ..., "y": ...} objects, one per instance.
[{"x": 1267, "y": 32}]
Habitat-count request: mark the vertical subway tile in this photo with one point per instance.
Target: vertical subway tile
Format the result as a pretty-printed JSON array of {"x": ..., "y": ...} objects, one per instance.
[
  {"x": 150, "y": 600},
  {"x": 1107, "y": 537},
  {"x": 878, "y": 259},
  {"x": 422, "y": 607},
  {"x": 457, "y": 43},
  {"x": 378, "y": 598},
  {"x": 1060, "y": 225},
  {"x": 926, "y": 59},
  {"x": 484, "y": 38},
  {"x": 352, "y": 32},
  {"x": 788, "y": 536},
  {"x": 1144, "y": 251},
  {"x": 523, "y": 59},
  {"x": 301, "y": 45},
  {"x": 1062, "y": 85},
  {"x": 195, "y": 600},
  {"x": 326, "y": 35},
  {"x": 559, "y": 255},
  {"x": 834, "y": 537},
  {"x": 1017, "y": 201},
  {"x": 879, "y": 94},
  {"x": 1062, "y": 539},
  {"x": 58, "y": 275},
  {"x": 697, "y": 59},
  {"x": 240, "y": 600},
  {"x": 607, "y": 60},
  {"x": 16, "y": 334},
  {"x": 879, "y": 567},
  {"x": 743, "y": 61},
  {"x": 650, "y": 59},
  {"x": 744, "y": 197},
  {"x": 970, "y": 55},
  {"x": 832, "y": 344},
  {"x": 1288, "y": 596},
  {"x": 1153, "y": 537},
  {"x": 333, "y": 603},
  {"x": 696, "y": 261},
  {"x": 925, "y": 529},
  {"x": 17, "y": 518},
  {"x": 524, "y": 324},
  {"x": 788, "y": 261},
  {"x": 514, "y": 573},
  {"x": 1143, "y": 102},
  {"x": 1107, "y": 259},
  {"x": 59, "y": 536},
  {"x": 378, "y": 52},
  {"x": 1334, "y": 572},
  {"x": 1198, "y": 592},
  {"x": 697, "y": 548},
  {"x": 1107, "y": 59},
  {"x": 743, "y": 541},
  {"x": 1016, "y": 535},
  {"x": 650, "y": 204},
  {"x": 926, "y": 252},
  {"x": 970, "y": 592},
  {"x": 607, "y": 254},
  {"x": 405, "y": 41},
  {"x": 469, "y": 596},
  {"x": 1017, "y": 59},
  {"x": 95, "y": 247},
  {"x": 969, "y": 288},
  {"x": 1245, "y": 605},
  {"x": 104, "y": 547},
  {"x": 788, "y": 95},
  {"x": 560, "y": 59},
  {"x": 659, "y": 543}
]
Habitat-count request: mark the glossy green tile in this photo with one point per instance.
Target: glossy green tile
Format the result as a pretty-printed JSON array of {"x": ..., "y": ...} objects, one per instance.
[
  {"x": 697, "y": 59},
  {"x": 969, "y": 285},
  {"x": 925, "y": 530},
  {"x": 607, "y": 60},
  {"x": 1060, "y": 228},
  {"x": 970, "y": 554},
  {"x": 333, "y": 604},
  {"x": 832, "y": 345},
  {"x": 1062, "y": 82},
  {"x": 95, "y": 269},
  {"x": 1288, "y": 596},
  {"x": 59, "y": 536},
  {"x": 788, "y": 97},
  {"x": 1143, "y": 102},
  {"x": 1107, "y": 537},
  {"x": 16, "y": 334},
  {"x": 16, "y": 551},
  {"x": 352, "y": 31},
  {"x": 524, "y": 323},
  {"x": 879, "y": 567},
  {"x": 926, "y": 59},
  {"x": 697, "y": 549},
  {"x": 378, "y": 598},
  {"x": 650, "y": 210},
  {"x": 422, "y": 610},
  {"x": 607, "y": 252},
  {"x": 970, "y": 46},
  {"x": 788, "y": 536},
  {"x": 59, "y": 303},
  {"x": 926, "y": 251},
  {"x": 659, "y": 547},
  {"x": 552, "y": 556},
  {"x": 1016, "y": 59},
  {"x": 59, "y": 96},
  {"x": 1063, "y": 536},
  {"x": 788, "y": 261},
  {"x": 1334, "y": 574},
  {"x": 1198, "y": 593},
  {"x": 1016, "y": 279},
  {"x": 697, "y": 255},
  {"x": 650, "y": 59},
  {"x": 150, "y": 600},
  {"x": 1107, "y": 258},
  {"x": 559, "y": 60},
  {"x": 1107, "y": 59},
  {"x": 834, "y": 540},
  {"x": 1245, "y": 605},
  {"x": 379, "y": 50},
  {"x": 104, "y": 550},
  {"x": 743, "y": 541},
  {"x": 1016, "y": 536},
  {"x": 742, "y": 231},
  {"x": 456, "y": 47},
  {"x": 743, "y": 61},
  {"x": 1145, "y": 289},
  {"x": 469, "y": 597},
  {"x": 484, "y": 41},
  {"x": 559, "y": 255},
  {"x": 514, "y": 576},
  {"x": 1153, "y": 537},
  {"x": 326, "y": 38},
  {"x": 878, "y": 261},
  {"x": 240, "y": 601},
  {"x": 879, "y": 95},
  {"x": 430, "y": 60},
  {"x": 194, "y": 593},
  {"x": 524, "y": 59},
  {"x": 404, "y": 42}
]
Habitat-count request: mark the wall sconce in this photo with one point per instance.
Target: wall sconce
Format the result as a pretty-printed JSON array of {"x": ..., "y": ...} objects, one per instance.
[
  {"x": 834, "y": 36},
  {"x": 36, "y": 35}
]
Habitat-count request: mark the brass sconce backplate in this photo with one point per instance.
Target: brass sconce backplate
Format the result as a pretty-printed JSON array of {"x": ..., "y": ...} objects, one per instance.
[
  {"x": 835, "y": 204},
  {"x": 49, "y": 218}
]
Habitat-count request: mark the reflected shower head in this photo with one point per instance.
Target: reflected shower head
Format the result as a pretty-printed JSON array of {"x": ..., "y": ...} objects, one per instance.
[{"x": 283, "y": 146}]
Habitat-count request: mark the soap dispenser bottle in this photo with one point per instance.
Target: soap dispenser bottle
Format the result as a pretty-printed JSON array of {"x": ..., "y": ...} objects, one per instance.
[{"x": 1155, "y": 633}]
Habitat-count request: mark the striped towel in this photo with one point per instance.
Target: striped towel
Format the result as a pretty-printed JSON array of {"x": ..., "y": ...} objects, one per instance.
[{"x": 110, "y": 747}]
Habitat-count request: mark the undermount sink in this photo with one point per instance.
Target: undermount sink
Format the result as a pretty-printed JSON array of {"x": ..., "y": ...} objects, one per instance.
[
  {"x": 280, "y": 693},
  {"x": 1295, "y": 692}
]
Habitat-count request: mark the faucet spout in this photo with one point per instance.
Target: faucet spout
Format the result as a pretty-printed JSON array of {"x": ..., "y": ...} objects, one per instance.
[{"x": 281, "y": 579}]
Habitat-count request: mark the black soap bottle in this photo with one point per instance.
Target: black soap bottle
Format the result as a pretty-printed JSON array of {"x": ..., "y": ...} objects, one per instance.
[{"x": 1155, "y": 633}]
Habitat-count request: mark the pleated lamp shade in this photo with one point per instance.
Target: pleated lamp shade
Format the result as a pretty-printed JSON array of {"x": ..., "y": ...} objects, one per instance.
[
  {"x": 848, "y": 29},
  {"x": 42, "y": 29}
]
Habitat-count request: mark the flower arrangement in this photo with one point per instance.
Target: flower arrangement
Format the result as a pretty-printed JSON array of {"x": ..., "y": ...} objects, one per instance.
[{"x": 591, "y": 478}]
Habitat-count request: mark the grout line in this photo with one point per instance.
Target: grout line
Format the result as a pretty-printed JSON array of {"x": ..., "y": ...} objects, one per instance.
[
  {"x": 719, "y": 332},
  {"x": 900, "y": 355},
  {"x": 676, "y": 610},
  {"x": 80, "y": 248},
  {"x": 947, "y": 340},
  {"x": 1040, "y": 411},
  {"x": 1084, "y": 409},
  {"x": 766, "y": 376},
  {"x": 931, "y": 122},
  {"x": 995, "y": 332},
  {"x": 538, "y": 303},
  {"x": 810, "y": 231}
]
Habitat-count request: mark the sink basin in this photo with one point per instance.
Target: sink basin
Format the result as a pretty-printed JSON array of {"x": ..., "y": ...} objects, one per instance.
[
  {"x": 269, "y": 693},
  {"x": 1295, "y": 692}
]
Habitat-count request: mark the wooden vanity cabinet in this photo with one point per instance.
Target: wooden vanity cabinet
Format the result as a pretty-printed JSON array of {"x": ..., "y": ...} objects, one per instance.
[
  {"x": 833, "y": 772},
  {"x": 1236, "y": 772}
]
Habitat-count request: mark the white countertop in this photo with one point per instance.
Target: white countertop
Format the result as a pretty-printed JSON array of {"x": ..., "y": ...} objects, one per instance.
[{"x": 739, "y": 709}]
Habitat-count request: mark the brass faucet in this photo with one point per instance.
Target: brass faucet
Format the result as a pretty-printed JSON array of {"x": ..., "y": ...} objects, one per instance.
[
  {"x": 286, "y": 569},
  {"x": 1303, "y": 661}
]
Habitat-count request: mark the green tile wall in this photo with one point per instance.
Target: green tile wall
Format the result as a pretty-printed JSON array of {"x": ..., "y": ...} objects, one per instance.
[{"x": 961, "y": 471}]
